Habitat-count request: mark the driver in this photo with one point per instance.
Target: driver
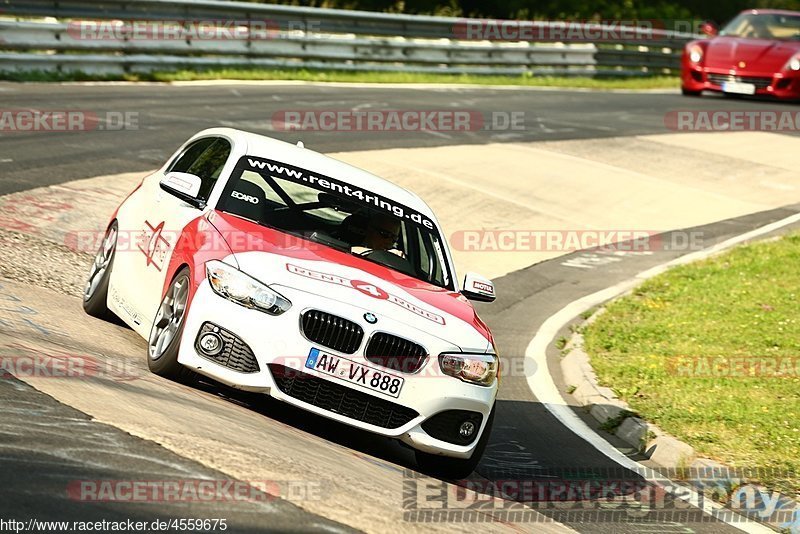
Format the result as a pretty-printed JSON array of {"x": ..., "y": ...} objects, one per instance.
[
  {"x": 382, "y": 232},
  {"x": 760, "y": 28}
]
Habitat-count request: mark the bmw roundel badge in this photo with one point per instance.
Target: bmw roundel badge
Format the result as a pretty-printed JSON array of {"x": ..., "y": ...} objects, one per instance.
[{"x": 370, "y": 318}]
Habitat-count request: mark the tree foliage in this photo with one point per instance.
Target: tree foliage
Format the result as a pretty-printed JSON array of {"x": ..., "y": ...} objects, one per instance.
[{"x": 719, "y": 10}]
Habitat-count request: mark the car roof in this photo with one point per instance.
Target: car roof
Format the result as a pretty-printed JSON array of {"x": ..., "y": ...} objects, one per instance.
[
  {"x": 261, "y": 146},
  {"x": 771, "y": 12}
]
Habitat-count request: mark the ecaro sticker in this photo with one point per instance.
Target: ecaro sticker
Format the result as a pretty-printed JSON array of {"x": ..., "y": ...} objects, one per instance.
[{"x": 247, "y": 198}]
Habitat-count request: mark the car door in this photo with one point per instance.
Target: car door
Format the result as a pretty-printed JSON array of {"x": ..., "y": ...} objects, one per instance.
[{"x": 154, "y": 220}]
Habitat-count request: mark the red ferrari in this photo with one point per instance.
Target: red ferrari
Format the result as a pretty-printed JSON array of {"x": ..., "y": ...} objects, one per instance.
[{"x": 757, "y": 53}]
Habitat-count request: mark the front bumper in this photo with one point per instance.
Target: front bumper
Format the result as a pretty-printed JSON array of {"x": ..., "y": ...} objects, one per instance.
[
  {"x": 277, "y": 342},
  {"x": 779, "y": 85}
]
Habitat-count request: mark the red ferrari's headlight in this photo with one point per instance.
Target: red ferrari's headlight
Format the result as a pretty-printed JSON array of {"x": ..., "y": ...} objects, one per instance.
[{"x": 696, "y": 54}]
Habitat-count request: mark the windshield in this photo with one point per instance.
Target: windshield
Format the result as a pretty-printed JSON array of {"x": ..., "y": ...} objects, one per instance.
[
  {"x": 337, "y": 215},
  {"x": 764, "y": 26}
]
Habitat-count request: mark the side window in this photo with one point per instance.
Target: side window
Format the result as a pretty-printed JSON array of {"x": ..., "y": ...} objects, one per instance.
[
  {"x": 204, "y": 158},
  {"x": 425, "y": 264},
  {"x": 189, "y": 155},
  {"x": 425, "y": 257}
]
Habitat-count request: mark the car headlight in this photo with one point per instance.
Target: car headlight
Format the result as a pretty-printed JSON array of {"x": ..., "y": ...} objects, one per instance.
[
  {"x": 696, "y": 54},
  {"x": 794, "y": 63},
  {"x": 236, "y": 286},
  {"x": 480, "y": 369}
]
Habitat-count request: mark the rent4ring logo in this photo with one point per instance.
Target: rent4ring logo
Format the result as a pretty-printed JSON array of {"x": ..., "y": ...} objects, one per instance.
[
  {"x": 367, "y": 289},
  {"x": 66, "y": 120}
]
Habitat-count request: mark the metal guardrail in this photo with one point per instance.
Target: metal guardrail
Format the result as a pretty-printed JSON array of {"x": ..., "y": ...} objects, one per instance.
[
  {"x": 106, "y": 64},
  {"x": 301, "y": 37},
  {"x": 68, "y": 51}
]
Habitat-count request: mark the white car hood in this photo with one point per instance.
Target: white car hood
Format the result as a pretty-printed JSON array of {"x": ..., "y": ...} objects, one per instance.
[{"x": 370, "y": 293}]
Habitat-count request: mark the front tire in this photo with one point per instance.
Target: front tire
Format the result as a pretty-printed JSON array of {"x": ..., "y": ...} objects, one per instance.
[
  {"x": 455, "y": 468},
  {"x": 687, "y": 92},
  {"x": 95, "y": 293},
  {"x": 167, "y": 330}
]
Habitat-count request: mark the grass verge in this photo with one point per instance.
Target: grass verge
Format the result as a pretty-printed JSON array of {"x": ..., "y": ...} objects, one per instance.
[
  {"x": 655, "y": 82},
  {"x": 710, "y": 352}
]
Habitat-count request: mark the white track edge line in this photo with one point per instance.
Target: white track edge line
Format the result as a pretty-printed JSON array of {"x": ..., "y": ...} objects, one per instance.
[{"x": 544, "y": 388}]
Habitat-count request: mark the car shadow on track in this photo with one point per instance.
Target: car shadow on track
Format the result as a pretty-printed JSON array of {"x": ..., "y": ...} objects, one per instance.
[
  {"x": 388, "y": 453},
  {"x": 542, "y": 475},
  {"x": 360, "y": 442},
  {"x": 510, "y": 470}
]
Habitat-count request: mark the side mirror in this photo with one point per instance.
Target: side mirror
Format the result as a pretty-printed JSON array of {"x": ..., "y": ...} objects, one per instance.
[
  {"x": 185, "y": 186},
  {"x": 478, "y": 288},
  {"x": 709, "y": 28}
]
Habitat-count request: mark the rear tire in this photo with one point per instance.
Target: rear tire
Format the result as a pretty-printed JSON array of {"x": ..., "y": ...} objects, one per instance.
[
  {"x": 167, "y": 330},
  {"x": 95, "y": 293},
  {"x": 687, "y": 92},
  {"x": 456, "y": 468}
]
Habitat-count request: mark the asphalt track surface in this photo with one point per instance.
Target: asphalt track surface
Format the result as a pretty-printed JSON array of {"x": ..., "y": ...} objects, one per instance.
[
  {"x": 528, "y": 443},
  {"x": 60, "y": 445},
  {"x": 167, "y": 115},
  {"x": 46, "y": 444}
]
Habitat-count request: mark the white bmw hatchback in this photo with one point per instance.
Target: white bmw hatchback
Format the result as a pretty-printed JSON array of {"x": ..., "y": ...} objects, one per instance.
[{"x": 272, "y": 268}]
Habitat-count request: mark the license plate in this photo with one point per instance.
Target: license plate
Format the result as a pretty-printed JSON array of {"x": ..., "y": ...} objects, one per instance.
[
  {"x": 355, "y": 373},
  {"x": 739, "y": 88}
]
